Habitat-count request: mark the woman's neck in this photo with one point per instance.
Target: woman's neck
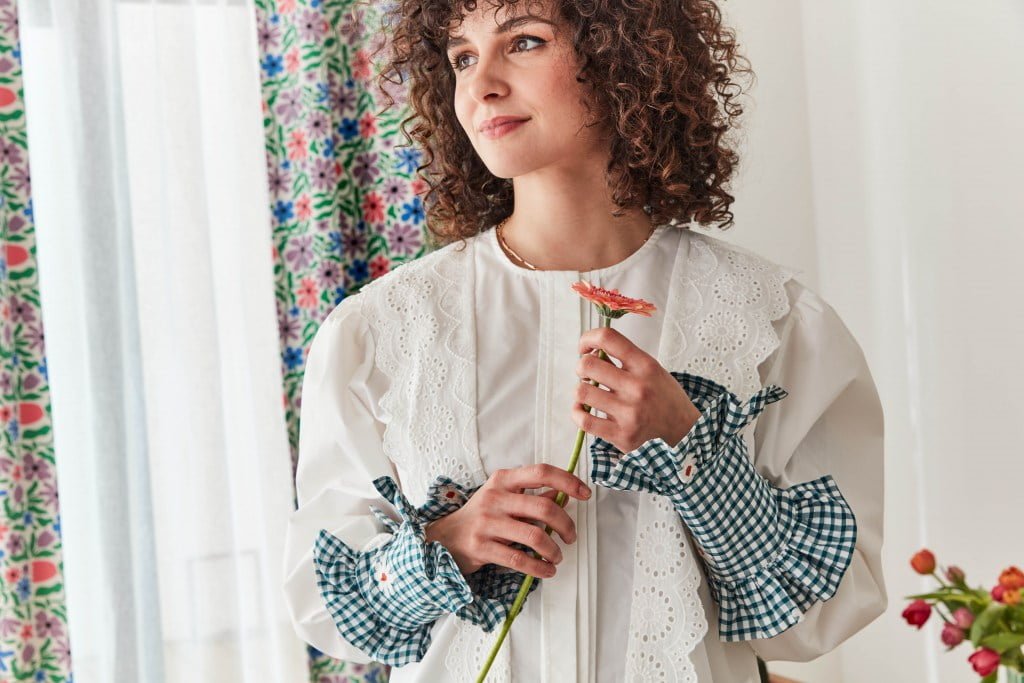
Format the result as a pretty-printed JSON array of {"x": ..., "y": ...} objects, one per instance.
[{"x": 566, "y": 224}]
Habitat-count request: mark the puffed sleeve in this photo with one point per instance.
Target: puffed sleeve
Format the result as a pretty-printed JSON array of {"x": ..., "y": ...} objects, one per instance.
[
  {"x": 359, "y": 585},
  {"x": 781, "y": 536},
  {"x": 832, "y": 423}
]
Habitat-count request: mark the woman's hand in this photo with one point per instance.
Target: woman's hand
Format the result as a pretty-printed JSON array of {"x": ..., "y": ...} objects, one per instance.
[
  {"x": 643, "y": 401},
  {"x": 500, "y": 512}
]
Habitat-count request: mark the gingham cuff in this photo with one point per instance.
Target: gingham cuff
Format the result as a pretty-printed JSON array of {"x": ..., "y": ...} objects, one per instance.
[
  {"x": 386, "y": 598},
  {"x": 769, "y": 553}
]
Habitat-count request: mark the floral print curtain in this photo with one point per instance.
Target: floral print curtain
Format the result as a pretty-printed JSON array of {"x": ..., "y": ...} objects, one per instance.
[
  {"x": 345, "y": 205},
  {"x": 33, "y": 614}
]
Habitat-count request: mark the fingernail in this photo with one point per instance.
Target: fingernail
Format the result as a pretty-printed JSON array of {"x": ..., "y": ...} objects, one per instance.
[{"x": 584, "y": 491}]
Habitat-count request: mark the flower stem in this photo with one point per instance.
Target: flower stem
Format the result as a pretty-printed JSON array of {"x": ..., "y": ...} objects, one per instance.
[{"x": 560, "y": 499}]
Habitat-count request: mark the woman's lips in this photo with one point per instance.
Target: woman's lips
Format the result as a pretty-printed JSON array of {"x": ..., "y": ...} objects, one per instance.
[{"x": 502, "y": 129}]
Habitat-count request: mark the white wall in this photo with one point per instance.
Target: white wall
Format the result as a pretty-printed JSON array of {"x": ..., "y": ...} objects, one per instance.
[{"x": 885, "y": 157}]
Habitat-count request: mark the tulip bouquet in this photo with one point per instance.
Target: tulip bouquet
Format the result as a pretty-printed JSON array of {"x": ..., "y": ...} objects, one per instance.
[{"x": 993, "y": 620}]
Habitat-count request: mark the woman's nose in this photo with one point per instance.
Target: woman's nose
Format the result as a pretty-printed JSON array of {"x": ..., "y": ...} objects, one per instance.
[{"x": 488, "y": 81}]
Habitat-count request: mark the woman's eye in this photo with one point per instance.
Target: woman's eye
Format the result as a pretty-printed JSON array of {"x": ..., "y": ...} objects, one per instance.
[
  {"x": 458, "y": 64},
  {"x": 521, "y": 39}
]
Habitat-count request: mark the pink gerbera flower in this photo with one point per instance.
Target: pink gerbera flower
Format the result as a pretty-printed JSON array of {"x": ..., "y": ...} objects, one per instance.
[{"x": 611, "y": 302}]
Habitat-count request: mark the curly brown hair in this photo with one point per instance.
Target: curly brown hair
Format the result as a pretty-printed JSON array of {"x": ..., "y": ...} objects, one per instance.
[{"x": 661, "y": 73}]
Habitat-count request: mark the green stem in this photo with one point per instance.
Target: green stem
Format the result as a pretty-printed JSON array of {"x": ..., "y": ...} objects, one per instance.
[{"x": 560, "y": 499}]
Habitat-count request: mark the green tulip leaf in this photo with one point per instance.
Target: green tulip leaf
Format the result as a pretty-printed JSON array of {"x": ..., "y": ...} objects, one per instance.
[
  {"x": 1003, "y": 642},
  {"x": 984, "y": 622}
]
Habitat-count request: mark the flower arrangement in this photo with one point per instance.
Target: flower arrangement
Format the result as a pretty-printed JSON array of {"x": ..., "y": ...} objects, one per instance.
[
  {"x": 992, "y": 620},
  {"x": 611, "y": 305}
]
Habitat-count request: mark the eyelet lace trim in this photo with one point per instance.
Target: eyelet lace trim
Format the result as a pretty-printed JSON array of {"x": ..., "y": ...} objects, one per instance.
[
  {"x": 422, "y": 324},
  {"x": 728, "y": 298}
]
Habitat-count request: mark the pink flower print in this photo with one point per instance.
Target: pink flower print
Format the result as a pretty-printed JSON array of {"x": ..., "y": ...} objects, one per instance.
[
  {"x": 308, "y": 294},
  {"x": 368, "y": 125},
  {"x": 373, "y": 208},
  {"x": 303, "y": 208},
  {"x": 292, "y": 60},
  {"x": 361, "y": 65},
  {"x": 285, "y": 6},
  {"x": 297, "y": 148},
  {"x": 384, "y": 576}
]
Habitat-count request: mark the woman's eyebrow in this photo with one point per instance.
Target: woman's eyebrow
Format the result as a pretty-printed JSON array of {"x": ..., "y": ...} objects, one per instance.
[{"x": 503, "y": 27}]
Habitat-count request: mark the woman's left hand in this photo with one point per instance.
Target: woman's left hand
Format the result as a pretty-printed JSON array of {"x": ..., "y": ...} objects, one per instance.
[{"x": 643, "y": 401}]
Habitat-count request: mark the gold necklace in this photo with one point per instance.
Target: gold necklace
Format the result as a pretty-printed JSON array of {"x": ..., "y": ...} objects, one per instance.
[{"x": 504, "y": 244}]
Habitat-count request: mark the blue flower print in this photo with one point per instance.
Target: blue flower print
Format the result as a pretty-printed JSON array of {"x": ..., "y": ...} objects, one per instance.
[
  {"x": 348, "y": 128},
  {"x": 335, "y": 241},
  {"x": 292, "y": 357},
  {"x": 408, "y": 159},
  {"x": 413, "y": 211},
  {"x": 283, "y": 211},
  {"x": 273, "y": 65},
  {"x": 359, "y": 270},
  {"x": 23, "y": 588}
]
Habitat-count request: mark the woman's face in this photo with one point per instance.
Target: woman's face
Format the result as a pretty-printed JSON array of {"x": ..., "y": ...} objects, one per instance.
[{"x": 519, "y": 62}]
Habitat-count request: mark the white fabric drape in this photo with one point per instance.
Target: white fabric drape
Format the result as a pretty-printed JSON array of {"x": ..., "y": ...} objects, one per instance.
[
  {"x": 155, "y": 259},
  {"x": 885, "y": 156}
]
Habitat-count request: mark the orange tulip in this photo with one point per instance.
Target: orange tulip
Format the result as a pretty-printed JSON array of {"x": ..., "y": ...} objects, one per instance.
[
  {"x": 1011, "y": 578},
  {"x": 923, "y": 562}
]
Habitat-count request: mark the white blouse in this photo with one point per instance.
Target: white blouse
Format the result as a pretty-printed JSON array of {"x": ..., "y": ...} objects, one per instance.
[{"x": 527, "y": 328}]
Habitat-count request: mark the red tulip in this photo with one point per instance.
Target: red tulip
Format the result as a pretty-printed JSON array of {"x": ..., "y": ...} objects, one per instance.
[
  {"x": 952, "y": 635},
  {"x": 963, "y": 617},
  {"x": 923, "y": 562},
  {"x": 917, "y": 613},
  {"x": 1011, "y": 578},
  {"x": 984, "y": 661},
  {"x": 997, "y": 592},
  {"x": 954, "y": 574}
]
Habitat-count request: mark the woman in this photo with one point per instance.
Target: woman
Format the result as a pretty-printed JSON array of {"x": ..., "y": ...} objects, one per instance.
[{"x": 589, "y": 134}]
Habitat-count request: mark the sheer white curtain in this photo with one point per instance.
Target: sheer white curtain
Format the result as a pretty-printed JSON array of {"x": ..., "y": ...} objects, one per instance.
[
  {"x": 885, "y": 156},
  {"x": 155, "y": 259}
]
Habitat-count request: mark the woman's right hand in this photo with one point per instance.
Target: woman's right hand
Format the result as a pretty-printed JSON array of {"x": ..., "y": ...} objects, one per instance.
[{"x": 500, "y": 512}]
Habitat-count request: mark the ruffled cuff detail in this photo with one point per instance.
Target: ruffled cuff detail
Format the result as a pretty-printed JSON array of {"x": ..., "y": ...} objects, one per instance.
[
  {"x": 769, "y": 553},
  {"x": 385, "y": 599}
]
